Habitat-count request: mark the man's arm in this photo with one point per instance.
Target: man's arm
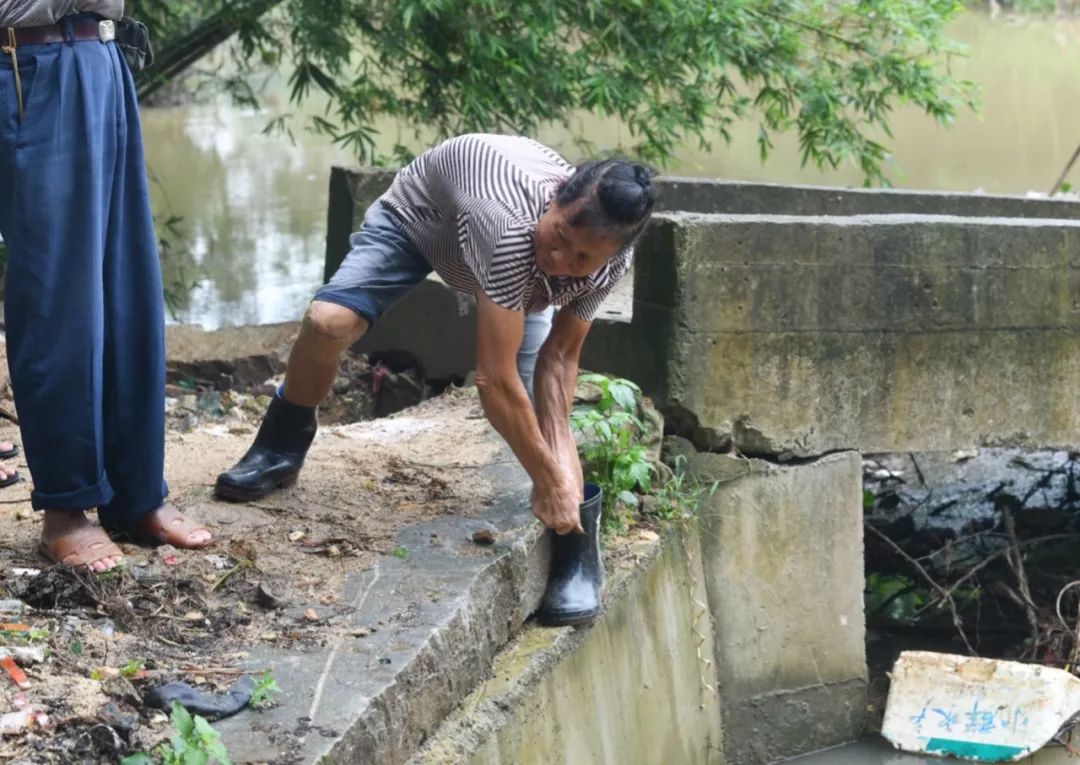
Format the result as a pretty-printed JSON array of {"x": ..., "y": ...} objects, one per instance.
[
  {"x": 556, "y": 494},
  {"x": 555, "y": 382}
]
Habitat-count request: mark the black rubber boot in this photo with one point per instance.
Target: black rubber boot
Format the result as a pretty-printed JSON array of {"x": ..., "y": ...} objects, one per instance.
[
  {"x": 275, "y": 459},
  {"x": 576, "y": 581}
]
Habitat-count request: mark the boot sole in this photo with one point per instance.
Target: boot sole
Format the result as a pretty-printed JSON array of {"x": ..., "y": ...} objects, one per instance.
[
  {"x": 567, "y": 620},
  {"x": 231, "y": 493}
]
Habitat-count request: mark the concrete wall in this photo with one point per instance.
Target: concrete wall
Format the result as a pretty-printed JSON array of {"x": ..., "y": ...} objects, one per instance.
[
  {"x": 353, "y": 189},
  {"x": 739, "y": 643},
  {"x": 796, "y": 335},
  {"x": 783, "y": 556},
  {"x": 628, "y": 691}
]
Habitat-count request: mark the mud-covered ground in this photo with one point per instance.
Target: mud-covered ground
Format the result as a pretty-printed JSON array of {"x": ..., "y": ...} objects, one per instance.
[{"x": 93, "y": 646}]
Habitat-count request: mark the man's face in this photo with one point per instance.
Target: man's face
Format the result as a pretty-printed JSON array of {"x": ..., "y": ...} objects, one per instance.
[{"x": 565, "y": 250}]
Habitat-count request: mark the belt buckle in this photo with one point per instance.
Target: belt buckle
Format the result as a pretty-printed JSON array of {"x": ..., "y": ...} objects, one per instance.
[{"x": 107, "y": 30}]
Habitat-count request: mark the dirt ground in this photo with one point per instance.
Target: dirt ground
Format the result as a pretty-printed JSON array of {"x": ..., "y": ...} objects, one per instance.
[{"x": 272, "y": 575}]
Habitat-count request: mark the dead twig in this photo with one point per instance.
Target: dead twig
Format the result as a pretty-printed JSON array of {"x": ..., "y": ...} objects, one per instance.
[
  {"x": 8, "y": 415},
  {"x": 1016, "y": 563},
  {"x": 918, "y": 471},
  {"x": 992, "y": 558},
  {"x": 945, "y": 595},
  {"x": 1065, "y": 172},
  {"x": 269, "y": 508},
  {"x": 1074, "y": 631},
  {"x": 224, "y": 577},
  {"x": 213, "y": 671}
]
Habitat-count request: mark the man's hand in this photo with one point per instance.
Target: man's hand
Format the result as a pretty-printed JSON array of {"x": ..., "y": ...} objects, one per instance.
[{"x": 557, "y": 506}]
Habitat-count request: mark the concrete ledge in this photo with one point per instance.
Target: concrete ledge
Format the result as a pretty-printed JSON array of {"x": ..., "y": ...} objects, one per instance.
[
  {"x": 229, "y": 356},
  {"x": 631, "y": 689},
  {"x": 738, "y": 639},
  {"x": 721, "y": 196},
  {"x": 440, "y": 615}
]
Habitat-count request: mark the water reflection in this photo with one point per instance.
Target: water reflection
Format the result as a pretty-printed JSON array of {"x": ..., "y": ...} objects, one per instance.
[{"x": 254, "y": 207}]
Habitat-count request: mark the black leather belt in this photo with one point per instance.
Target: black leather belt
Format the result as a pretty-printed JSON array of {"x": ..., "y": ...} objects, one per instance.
[{"x": 81, "y": 30}]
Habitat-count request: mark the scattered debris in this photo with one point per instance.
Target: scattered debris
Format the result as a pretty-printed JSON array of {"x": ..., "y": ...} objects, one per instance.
[
  {"x": 23, "y": 720},
  {"x": 993, "y": 710},
  {"x": 93, "y": 645},
  {"x": 15, "y": 673},
  {"x": 23, "y": 655}
]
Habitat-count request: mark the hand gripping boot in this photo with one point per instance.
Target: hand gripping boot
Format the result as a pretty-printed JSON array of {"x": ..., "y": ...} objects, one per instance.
[
  {"x": 275, "y": 459},
  {"x": 576, "y": 582}
]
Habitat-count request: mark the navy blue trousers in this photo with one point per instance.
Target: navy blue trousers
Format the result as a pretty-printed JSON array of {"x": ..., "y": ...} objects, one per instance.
[{"x": 83, "y": 304}]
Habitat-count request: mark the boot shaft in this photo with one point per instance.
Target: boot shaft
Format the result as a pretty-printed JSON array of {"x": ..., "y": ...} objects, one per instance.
[{"x": 287, "y": 428}]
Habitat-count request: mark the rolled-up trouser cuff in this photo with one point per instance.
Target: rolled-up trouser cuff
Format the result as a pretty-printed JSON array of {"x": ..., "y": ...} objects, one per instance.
[
  {"x": 81, "y": 499},
  {"x": 355, "y": 298}
]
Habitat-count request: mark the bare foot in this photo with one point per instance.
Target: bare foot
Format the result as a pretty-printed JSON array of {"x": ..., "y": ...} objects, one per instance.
[
  {"x": 6, "y": 448},
  {"x": 69, "y": 538},
  {"x": 168, "y": 525},
  {"x": 7, "y": 474}
]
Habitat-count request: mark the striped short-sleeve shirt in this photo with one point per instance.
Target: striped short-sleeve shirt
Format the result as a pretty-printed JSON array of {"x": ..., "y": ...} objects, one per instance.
[{"x": 471, "y": 206}]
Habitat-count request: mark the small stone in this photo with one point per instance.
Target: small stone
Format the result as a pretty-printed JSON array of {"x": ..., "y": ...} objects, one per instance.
[
  {"x": 311, "y": 615},
  {"x": 117, "y": 716},
  {"x": 333, "y": 551},
  {"x": 296, "y": 536},
  {"x": 266, "y": 597},
  {"x": 484, "y": 536},
  {"x": 360, "y": 632},
  {"x": 194, "y": 616},
  {"x": 22, "y": 514},
  {"x": 269, "y": 637},
  {"x": 961, "y": 455}
]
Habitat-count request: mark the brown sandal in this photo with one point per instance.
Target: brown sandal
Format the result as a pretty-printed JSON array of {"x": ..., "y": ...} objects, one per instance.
[
  {"x": 80, "y": 548},
  {"x": 174, "y": 522}
]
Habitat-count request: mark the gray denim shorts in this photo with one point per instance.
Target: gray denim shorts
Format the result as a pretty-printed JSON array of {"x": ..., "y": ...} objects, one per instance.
[{"x": 383, "y": 265}]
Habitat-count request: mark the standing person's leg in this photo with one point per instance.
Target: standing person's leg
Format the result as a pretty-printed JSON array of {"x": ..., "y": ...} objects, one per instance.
[
  {"x": 57, "y": 170},
  {"x": 133, "y": 381},
  {"x": 537, "y": 329},
  {"x": 381, "y": 267}
]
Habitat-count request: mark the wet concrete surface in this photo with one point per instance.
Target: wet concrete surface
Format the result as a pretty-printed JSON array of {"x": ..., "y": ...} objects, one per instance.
[{"x": 878, "y": 752}]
